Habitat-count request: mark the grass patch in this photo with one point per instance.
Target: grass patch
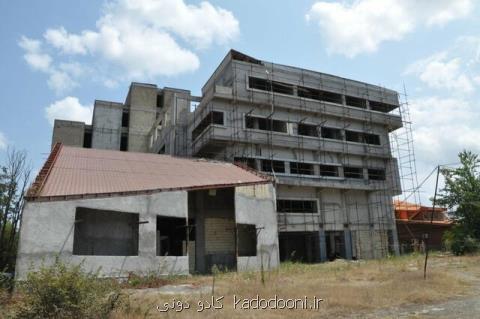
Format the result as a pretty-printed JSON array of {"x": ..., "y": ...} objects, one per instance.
[{"x": 346, "y": 287}]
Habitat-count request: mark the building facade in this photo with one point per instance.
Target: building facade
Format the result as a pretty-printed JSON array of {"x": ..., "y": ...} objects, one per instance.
[
  {"x": 120, "y": 213},
  {"x": 324, "y": 139}
]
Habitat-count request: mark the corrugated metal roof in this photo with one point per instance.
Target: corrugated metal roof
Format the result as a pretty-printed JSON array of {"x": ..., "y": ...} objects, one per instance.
[{"x": 75, "y": 172}]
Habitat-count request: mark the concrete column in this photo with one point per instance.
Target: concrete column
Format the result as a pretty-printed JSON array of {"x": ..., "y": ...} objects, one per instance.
[
  {"x": 341, "y": 172},
  {"x": 322, "y": 245},
  {"x": 147, "y": 235},
  {"x": 348, "y": 243},
  {"x": 199, "y": 234}
]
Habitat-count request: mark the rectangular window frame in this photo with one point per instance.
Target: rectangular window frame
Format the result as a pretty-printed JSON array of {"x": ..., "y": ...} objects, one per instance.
[
  {"x": 376, "y": 174},
  {"x": 353, "y": 172},
  {"x": 297, "y": 205},
  {"x": 328, "y": 170},
  {"x": 301, "y": 168}
]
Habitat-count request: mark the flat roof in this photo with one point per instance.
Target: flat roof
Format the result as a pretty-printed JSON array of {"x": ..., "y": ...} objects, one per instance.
[{"x": 74, "y": 172}]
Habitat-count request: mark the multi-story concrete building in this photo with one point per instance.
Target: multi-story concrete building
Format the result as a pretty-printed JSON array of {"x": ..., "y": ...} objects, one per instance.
[{"x": 324, "y": 138}]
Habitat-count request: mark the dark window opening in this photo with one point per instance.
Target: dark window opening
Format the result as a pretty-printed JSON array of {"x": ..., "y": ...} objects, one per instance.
[
  {"x": 249, "y": 162},
  {"x": 296, "y": 206},
  {"x": 307, "y": 130},
  {"x": 301, "y": 168},
  {"x": 356, "y": 102},
  {"x": 353, "y": 172},
  {"x": 283, "y": 88},
  {"x": 333, "y": 133},
  {"x": 87, "y": 139},
  {"x": 273, "y": 166},
  {"x": 92, "y": 238},
  {"x": 328, "y": 170},
  {"x": 265, "y": 124},
  {"x": 171, "y": 236},
  {"x": 267, "y": 85},
  {"x": 382, "y": 107},
  {"x": 308, "y": 93},
  {"x": 124, "y": 142},
  {"x": 376, "y": 174},
  {"x": 352, "y": 136},
  {"x": 125, "y": 118},
  {"x": 213, "y": 117},
  {"x": 160, "y": 100},
  {"x": 259, "y": 84},
  {"x": 299, "y": 246},
  {"x": 335, "y": 242},
  {"x": 247, "y": 240},
  {"x": 372, "y": 139},
  {"x": 315, "y": 94}
]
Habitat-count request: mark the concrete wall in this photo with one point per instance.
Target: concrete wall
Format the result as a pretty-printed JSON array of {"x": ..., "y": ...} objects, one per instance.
[
  {"x": 142, "y": 103},
  {"x": 47, "y": 230},
  {"x": 107, "y": 125},
  {"x": 256, "y": 205},
  {"x": 69, "y": 133}
]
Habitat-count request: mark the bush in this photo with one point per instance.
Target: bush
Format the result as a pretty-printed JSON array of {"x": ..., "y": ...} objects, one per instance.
[
  {"x": 65, "y": 291},
  {"x": 460, "y": 242}
]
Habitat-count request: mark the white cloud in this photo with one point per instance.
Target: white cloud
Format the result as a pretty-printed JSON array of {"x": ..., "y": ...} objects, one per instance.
[
  {"x": 69, "y": 108},
  {"x": 444, "y": 126},
  {"x": 362, "y": 25},
  {"x": 3, "y": 142},
  {"x": 140, "y": 40},
  {"x": 60, "y": 78},
  {"x": 440, "y": 72},
  {"x": 34, "y": 55},
  {"x": 456, "y": 69}
]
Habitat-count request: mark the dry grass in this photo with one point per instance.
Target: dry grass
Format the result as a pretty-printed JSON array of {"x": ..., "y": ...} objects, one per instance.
[{"x": 346, "y": 287}]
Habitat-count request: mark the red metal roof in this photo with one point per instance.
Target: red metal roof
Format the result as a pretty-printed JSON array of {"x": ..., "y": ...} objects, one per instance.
[
  {"x": 76, "y": 172},
  {"x": 411, "y": 213}
]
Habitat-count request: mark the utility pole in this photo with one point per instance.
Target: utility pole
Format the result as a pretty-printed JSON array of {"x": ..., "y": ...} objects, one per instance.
[{"x": 431, "y": 225}]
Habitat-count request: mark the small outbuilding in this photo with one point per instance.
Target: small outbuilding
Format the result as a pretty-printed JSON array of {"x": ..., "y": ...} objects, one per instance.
[{"x": 124, "y": 212}]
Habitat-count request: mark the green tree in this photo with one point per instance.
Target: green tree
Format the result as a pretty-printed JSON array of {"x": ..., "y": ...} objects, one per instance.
[{"x": 461, "y": 195}]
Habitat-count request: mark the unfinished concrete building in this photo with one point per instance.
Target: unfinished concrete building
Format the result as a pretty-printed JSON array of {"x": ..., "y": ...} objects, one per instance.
[
  {"x": 131, "y": 212},
  {"x": 324, "y": 139}
]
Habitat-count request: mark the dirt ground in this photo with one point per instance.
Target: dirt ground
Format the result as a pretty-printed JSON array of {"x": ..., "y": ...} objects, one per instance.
[{"x": 390, "y": 288}]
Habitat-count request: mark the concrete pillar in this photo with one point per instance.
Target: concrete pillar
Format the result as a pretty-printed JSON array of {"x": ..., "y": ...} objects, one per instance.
[
  {"x": 348, "y": 243},
  {"x": 199, "y": 233},
  {"x": 322, "y": 245}
]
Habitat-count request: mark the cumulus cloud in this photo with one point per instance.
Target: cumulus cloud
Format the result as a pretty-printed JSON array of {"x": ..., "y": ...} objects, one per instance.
[
  {"x": 59, "y": 77},
  {"x": 3, "y": 142},
  {"x": 456, "y": 69},
  {"x": 69, "y": 108},
  {"x": 362, "y": 25},
  {"x": 436, "y": 119},
  {"x": 445, "y": 119},
  {"x": 34, "y": 55},
  {"x": 440, "y": 72},
  {"x": 141, "y": 39}
]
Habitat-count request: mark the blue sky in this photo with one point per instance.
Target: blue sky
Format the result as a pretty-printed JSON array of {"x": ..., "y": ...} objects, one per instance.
[{"x": 58, "y": 56}]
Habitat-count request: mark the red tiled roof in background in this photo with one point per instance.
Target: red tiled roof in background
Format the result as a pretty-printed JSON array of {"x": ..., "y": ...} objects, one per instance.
[
  {"x": 76, "y": 172},
  {"x": 406, "y": 212}
]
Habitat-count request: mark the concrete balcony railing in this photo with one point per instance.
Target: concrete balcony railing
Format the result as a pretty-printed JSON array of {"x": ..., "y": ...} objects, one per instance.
[
  {"x": 391, "y": 120},
  {"x": 218, "y": 133}
]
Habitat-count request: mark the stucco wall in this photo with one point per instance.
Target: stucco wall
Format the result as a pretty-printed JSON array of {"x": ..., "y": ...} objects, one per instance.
[
  {"x": 256, "y": 205},
  {"x": 47, "y": 231}
]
